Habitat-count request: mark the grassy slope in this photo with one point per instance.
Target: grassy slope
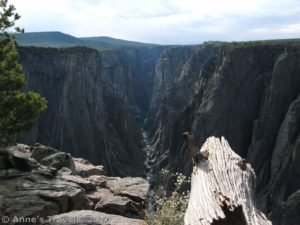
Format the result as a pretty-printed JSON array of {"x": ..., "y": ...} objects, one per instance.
[
  {"x": 108, "y": 42},
  {"x": 61, "y": 40},
  {"x": 48, "y": 39}
]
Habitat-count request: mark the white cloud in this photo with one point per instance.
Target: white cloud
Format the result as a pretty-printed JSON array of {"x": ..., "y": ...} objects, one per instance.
[
  {"x": 291, "y": 28},
  {"x": 164, "y": 21}
]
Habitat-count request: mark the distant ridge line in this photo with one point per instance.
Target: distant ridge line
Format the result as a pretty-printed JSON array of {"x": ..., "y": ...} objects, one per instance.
[{"x": 58, "y": 39}]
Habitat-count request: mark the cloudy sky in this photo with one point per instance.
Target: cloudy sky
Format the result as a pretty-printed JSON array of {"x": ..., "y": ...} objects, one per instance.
[{"x": 164, "y": 21}]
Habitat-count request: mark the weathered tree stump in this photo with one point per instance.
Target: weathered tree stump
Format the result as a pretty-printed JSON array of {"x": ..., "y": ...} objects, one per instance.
[{"x": 222, "y": 189}]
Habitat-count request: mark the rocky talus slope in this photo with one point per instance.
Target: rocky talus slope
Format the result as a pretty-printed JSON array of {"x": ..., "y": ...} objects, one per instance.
[
  {"x": 250, "y": 94},
  {"x": 41, "y": 185}
]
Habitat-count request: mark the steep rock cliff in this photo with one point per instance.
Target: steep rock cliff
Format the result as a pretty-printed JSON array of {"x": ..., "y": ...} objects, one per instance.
[
  {"x": 167, "y": 70},
  {"x": 78, "y": 119},
  {"x": 132, "y": 70},
  {"x": 248, "y": 93}
]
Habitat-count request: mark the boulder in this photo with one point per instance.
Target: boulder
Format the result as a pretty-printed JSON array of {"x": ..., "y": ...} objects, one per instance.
[
  {"x": 29, "y": 194},
  {"x": 88, "y": 217},
  {"x": 87, "y": 185},
  {"x": 59, "y": 160},
  {"x": 39, "y": 152},
  {"x": 64, "y": 171},
  {"x": 120, "y": 205},
  {"x": 19, "y": 157},
  {"x": 98, "y": 194},
  {"x": 86, "y": 169},
  {"x": 51, "y": 157},
  {"x": 30, "y": 206},
  {"x": 135, "y": 188},
  {"x": 99, "y": 181}
]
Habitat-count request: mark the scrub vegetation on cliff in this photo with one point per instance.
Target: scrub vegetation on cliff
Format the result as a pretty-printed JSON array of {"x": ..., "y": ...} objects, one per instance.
[{"x": 165, "y": 209}]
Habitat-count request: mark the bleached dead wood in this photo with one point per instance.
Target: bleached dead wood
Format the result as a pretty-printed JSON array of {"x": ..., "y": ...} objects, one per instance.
[{"x": 222, "y": 187}]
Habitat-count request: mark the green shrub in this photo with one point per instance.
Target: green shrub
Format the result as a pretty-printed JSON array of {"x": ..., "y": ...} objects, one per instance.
[
  {"x": 18, "y": 109},
  {"x": 169, "y": 210}
]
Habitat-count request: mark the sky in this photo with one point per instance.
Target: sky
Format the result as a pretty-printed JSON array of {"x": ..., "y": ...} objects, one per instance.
[{"x": 164, "y": 21}]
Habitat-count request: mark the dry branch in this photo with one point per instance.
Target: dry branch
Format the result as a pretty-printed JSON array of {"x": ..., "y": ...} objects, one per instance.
[{"x": 222, "y": 189}]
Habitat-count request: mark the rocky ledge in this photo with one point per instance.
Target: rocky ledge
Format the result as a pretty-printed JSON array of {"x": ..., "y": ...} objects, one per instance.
[{"x": 41, "y": 185}]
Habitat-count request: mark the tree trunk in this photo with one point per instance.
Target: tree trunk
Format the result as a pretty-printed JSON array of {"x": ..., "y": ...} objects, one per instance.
[{"x": 222, "y": 188}]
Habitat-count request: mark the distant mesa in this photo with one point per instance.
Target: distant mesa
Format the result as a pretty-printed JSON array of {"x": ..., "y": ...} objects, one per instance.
[{"x": 57, "y": 39}]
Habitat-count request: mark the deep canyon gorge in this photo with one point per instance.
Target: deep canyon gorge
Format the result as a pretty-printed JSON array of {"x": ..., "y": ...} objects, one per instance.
[{"x": 101, "y": 102}]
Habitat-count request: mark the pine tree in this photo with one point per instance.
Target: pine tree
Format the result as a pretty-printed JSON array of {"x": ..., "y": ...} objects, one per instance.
[{"x": 18, "y": 109}]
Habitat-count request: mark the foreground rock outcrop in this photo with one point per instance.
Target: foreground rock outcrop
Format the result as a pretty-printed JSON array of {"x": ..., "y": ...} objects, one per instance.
[
  {"x": 222, "y": 188},
  {"x": 90, "y": 218},
  {"x": 39, "y": 182}
]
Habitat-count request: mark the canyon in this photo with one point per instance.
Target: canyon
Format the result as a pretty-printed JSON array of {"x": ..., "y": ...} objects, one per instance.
[{"x": 101, "y": 102}]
